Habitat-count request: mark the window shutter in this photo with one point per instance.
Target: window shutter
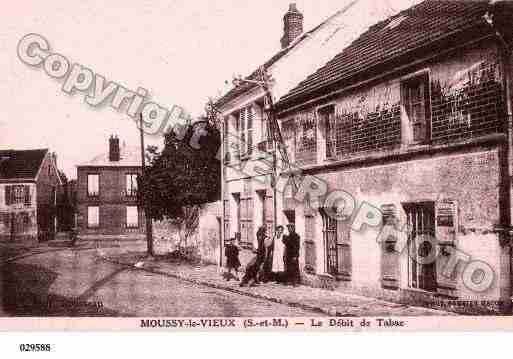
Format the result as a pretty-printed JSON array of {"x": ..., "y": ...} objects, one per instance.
[
  {"x": 389, "y": 255},
  {"x": 8, "y": 195},
  {"x": 250, "y": 114},
  {"x": 26, "y": 190},
  {"x": 446, "y": 218}
]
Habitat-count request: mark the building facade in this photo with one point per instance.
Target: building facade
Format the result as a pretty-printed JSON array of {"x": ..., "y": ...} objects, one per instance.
[
  {"x": 407, "y": 124},
  {"x": 106, "y": 193},
  {"x": 247, "y": 195},
  {"x": 29, "y": 187}
]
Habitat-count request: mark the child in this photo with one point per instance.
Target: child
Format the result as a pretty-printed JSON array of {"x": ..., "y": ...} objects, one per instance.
[{"x": 232, "y": 259}]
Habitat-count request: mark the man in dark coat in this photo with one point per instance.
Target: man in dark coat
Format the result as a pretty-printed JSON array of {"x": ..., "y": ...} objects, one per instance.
[
  {"x": 291, "y": 256},
  {"x": 255, "y": 265}
]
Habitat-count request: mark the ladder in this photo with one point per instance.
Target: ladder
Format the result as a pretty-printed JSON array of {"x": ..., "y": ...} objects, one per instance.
[{"x": 274, "y": 133}]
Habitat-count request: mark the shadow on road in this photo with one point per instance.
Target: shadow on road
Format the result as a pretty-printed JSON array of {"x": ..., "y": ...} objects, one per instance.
[{"x": 24, "y": 291}]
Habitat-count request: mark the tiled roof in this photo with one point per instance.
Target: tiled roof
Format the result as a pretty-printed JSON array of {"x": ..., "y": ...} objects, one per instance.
[
  {"x": 129, "y": 157},
  {"x": 20, "y": 164},
  {"x": 415, "y": 28}
]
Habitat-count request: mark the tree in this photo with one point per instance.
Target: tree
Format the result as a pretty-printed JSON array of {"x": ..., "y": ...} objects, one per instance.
[{"x": 185, "y": 175}]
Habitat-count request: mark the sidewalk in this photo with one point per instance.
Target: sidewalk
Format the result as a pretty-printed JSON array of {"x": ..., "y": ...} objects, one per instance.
[{"x": 322, "y": 301}]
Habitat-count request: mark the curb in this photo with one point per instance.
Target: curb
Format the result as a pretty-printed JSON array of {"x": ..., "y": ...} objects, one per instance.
[
  {"x": 312, "y": 308},
  {"x": 331, "y": 312}
]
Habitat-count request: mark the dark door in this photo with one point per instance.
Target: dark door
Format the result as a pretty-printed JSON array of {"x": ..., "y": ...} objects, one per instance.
[{"x": 421, "y": 222}]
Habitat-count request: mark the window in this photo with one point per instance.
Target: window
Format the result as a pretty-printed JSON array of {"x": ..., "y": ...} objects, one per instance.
[
  {"x": 306, "y": 139},
  {"x": 132, "y": 217},
  {"x": 337, "y": 245},
  {"x": 327, "y": 118},
  {"x": 93, "y": 217},
  {"x": 131, "y": 185},
  {"x": 93, "y": 185},
  {"x": 421, "y": 223},
  {"x": 19, "y": 194},
  {"x": 244, "y": 203},
  {"x": 244, "y": 128},
  {"x": 415, "y": 97}
]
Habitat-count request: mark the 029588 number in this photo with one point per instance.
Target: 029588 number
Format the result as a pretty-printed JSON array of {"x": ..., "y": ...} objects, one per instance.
[{"x": 35, "y": 347}]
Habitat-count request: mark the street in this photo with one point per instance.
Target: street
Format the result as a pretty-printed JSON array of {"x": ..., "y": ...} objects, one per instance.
[{"x": 66, "y": 282}]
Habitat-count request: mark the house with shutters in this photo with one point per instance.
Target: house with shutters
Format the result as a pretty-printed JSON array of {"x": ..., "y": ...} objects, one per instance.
[
  {"x": 248, "y": 197},
  {"x": 412, "y": 118},
  {"x": 30, "y": 184},
  {"x": 106, "y": 193}
]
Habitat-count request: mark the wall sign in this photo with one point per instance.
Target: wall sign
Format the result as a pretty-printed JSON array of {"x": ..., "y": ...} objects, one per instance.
[{"x": 446, "y": 213}]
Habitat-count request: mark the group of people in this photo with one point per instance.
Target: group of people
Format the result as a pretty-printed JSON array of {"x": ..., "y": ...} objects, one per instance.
[{"x": 276, "y": 259}]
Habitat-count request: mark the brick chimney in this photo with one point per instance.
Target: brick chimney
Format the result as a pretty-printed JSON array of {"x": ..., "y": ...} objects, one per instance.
[
  {"x": 114, "y": 149},
  {"x": 292, "y": 26}
]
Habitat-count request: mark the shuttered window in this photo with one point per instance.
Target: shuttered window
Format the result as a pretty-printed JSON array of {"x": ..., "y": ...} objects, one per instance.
[
  {"x": 245, "y": 130},
  {"x": 131, "y": 185}
]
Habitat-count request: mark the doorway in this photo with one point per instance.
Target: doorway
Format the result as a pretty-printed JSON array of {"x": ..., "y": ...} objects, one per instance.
[{"x": 421, "y": 223}]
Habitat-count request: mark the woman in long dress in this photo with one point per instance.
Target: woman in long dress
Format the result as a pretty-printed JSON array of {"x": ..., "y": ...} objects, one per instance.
[{"x": 279, "y": 250}]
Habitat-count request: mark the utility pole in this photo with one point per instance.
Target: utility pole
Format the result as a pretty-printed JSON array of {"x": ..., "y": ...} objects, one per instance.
[{"x": 149, "y": 227}]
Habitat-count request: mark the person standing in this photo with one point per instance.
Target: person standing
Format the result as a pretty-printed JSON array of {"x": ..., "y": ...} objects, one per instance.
[
  {"x": 273, "y": 255},
  {"x": 278, "y": 263},
  {"x": 232, "y": 259},
  {"x": 254, "y": 266},
  {"x": 292, "y": 245}
]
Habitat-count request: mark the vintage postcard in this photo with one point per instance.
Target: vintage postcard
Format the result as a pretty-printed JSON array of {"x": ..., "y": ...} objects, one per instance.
[{"x": 248, "y": 165}]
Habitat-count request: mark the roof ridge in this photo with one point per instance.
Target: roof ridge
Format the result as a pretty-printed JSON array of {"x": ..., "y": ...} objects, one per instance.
[{"x": 379, "y": 47}]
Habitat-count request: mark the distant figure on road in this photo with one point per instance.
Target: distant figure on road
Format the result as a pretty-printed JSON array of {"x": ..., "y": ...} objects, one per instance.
[{"x": 292, "y": 244}]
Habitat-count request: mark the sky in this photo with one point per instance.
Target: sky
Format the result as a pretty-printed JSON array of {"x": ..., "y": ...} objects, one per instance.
[{"x": 181, "y": 51}]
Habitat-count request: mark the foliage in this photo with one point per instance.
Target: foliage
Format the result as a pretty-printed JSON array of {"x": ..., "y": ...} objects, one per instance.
[{"x": 186, "y": 173}]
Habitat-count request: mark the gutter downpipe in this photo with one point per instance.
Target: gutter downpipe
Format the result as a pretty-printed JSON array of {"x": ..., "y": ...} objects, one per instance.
[{"x": 505, "y": 235}]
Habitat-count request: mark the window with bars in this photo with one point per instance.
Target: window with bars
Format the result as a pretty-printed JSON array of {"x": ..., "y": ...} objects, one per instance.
[
  {"x": 306, "y": 139},
  {"x": 415, "y": 98},
  {"x": 337, "y": 246},
  {"x": 18, "y": 194},
  {"x": 244, "y": 127},
  {"x": 288, "y": 130},
  {"x": 131, "y": 184},
  {"x": 421, "y": 222}
]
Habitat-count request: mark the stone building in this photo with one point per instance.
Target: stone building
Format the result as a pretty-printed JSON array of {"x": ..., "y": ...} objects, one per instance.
[
  {"x": 411, "y": 122},
  {"x": 29, "y": 187},
  {"x": 248, "y": 196},
  {"x": 403, "y": 135},
  {"x": 106, "y": 193}
]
